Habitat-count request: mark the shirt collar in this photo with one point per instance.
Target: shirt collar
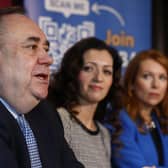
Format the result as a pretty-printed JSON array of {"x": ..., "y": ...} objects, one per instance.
[{"x": 13, "y": 112}]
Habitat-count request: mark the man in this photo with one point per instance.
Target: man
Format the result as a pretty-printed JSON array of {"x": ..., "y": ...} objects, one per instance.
[{"x": 24, "y": 72}]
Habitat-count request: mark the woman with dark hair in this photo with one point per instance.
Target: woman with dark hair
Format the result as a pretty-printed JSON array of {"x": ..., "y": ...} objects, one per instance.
[
  {"x": 145, "y": 118},
  {"x": 86, "y": 83}
]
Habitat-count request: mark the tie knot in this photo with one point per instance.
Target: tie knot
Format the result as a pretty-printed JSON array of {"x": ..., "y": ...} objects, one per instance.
[{"x": 23, "y": 123}]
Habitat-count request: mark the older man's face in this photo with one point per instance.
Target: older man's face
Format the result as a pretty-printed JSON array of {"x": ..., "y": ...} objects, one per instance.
[{"x": 24, "y": 61}]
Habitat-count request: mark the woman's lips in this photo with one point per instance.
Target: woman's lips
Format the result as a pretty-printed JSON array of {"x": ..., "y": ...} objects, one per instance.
[{"x": 95, "y": 87}]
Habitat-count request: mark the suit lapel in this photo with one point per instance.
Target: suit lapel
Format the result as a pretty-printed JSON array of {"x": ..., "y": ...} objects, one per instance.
[
  {"x": 17, "y": 143},
  {"x": 43, "y": 128}
]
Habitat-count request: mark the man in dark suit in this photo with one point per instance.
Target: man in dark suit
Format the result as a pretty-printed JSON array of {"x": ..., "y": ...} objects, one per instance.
[{"x": 24, "y": 72}]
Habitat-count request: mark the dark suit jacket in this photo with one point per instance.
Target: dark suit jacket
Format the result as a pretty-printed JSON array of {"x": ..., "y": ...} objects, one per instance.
[{"x": 48, "y": 130}]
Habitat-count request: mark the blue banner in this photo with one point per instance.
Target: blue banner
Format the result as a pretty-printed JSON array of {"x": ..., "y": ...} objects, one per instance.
[{"x": 126, "y": 25}]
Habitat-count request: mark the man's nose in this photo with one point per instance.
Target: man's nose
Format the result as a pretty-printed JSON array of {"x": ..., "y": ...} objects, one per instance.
[{"x": 45, "y": 58}]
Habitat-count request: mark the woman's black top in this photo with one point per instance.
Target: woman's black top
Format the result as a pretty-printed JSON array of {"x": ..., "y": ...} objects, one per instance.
[{"x": 158, "y": 144}]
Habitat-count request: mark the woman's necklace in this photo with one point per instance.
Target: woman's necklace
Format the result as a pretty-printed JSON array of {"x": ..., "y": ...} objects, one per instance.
[{"x": 150, "y": 125}]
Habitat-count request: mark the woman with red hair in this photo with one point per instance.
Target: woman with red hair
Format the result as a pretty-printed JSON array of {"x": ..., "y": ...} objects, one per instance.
[{"x": 145, "y": 117}]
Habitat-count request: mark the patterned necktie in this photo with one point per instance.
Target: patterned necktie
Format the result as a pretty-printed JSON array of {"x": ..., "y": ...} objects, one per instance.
[{"x": 30, "y": 141}]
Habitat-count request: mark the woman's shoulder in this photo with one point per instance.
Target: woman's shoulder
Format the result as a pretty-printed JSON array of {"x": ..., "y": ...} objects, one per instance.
[
  {"x": 124, "y": 116},
  {"x": 103, "y": 129},
  {"x": 126, "y": 120},
  {"x": 62, "y": 111},
  {"x": 64, "y": 115}
]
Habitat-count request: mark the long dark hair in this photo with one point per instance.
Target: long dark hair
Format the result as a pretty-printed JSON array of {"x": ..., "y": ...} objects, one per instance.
[{"x": 64, "y": 87}]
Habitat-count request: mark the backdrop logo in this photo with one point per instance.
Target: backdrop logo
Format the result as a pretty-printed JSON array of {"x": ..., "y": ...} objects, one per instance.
[
  {"x": 97, "y": 8},
  {"x": 108, "y": 21},
  {"x": 68, "y": 7},
  {"x": 121, "y": 39},
  {"x": 63, "y": 36}
]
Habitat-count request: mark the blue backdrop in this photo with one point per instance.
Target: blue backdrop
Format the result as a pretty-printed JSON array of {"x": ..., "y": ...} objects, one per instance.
[{"x": 124, "y": 24}]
